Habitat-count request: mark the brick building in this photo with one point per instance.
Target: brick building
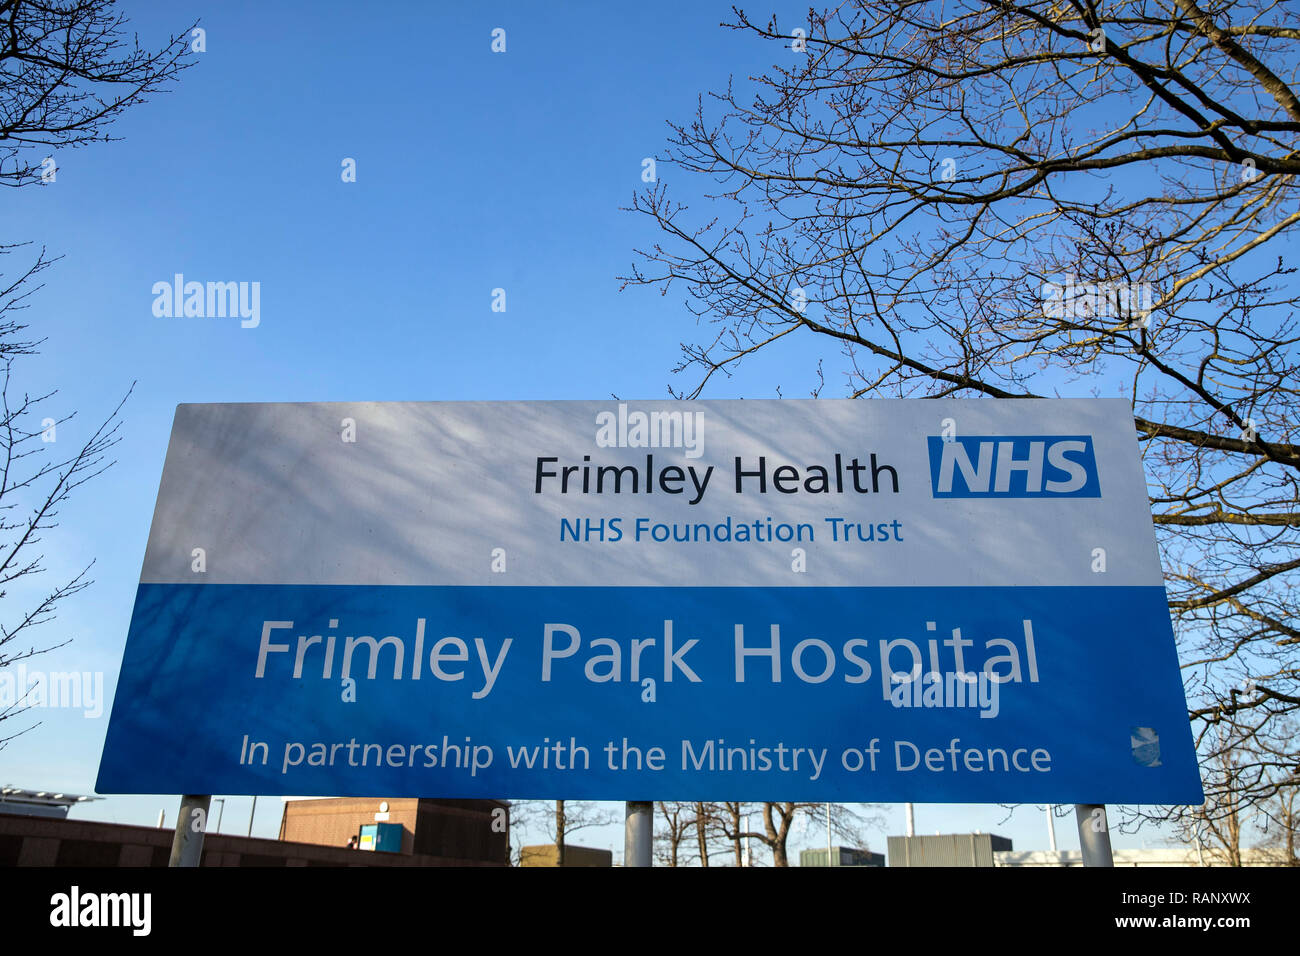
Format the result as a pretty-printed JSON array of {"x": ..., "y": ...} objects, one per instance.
[
  {"x": 471, "y": 830},
  {"x": 313, "y": 833}
]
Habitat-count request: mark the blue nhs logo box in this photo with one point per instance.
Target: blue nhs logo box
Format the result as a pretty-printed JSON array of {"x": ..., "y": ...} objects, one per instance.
[{"x": 1013, "y": 466}]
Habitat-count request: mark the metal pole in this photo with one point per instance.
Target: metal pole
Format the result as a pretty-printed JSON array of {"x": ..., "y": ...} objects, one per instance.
[
  {"x": 162, "y": 816},
  {"x": 251, "y": 815},
  {"x": 911, "y": 820},
  {"x": 1094, "y": 835},
  {"x": 191, "y": 822},
  {"x": 828, "y": 835},
  {"x": 1051, "y": 829},
  {"x": 221, "y": 813},
  {"x": 638, "y": 828}
]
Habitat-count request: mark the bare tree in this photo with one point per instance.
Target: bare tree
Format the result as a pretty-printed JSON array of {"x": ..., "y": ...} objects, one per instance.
[
  {"x": 725, "y": 823},
  {"x": 1217, "y": 826},
  {"x": 558, "y": 819},
  {"x": 779, "y": 818},
  {"x": 1008, "y": 198},
  {"x": 673, "y": 825},
  {"x": 523, "y": 820},
  {"x": 1277, "y": 816},
  {"x": 1281, "y": 823},
  {"x": 34, "y": 484},
  {"x": 68, "y": 68}
]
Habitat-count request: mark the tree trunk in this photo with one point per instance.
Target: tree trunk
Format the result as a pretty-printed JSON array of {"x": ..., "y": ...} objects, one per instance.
[
  {"x": 559, "y": 833},
  {"x": 1290, "y": 835},
  {"x": 776, "y": 836},
  {"x": 701, "y": 837}
]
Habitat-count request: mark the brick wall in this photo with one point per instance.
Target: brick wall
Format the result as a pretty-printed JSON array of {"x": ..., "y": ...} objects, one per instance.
[
  {"x": 331, "y": 822},
  {"x": 41, "y": 841},
  {"x": 458, "y": 829}
]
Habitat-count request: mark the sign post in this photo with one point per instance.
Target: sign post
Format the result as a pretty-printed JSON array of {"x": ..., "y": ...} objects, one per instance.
[
  {"x": 638, "y": 833},
  {"x": 1094, "y": 834},
  {"x": 191, "y": 824}
]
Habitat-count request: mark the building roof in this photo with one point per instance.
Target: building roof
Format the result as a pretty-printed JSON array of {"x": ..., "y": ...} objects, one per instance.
[{"x": 46, "y": 798}]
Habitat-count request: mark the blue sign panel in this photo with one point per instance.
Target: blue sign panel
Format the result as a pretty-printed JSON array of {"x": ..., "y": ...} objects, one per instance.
[{"x": 759, "y": 600}]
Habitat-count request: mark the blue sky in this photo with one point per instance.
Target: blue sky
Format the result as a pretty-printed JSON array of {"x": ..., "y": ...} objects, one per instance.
[{"x": 475, "y": 171}]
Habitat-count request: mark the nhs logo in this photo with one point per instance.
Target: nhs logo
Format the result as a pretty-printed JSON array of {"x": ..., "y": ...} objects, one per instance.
[{"x": 1013, "y": 466}]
